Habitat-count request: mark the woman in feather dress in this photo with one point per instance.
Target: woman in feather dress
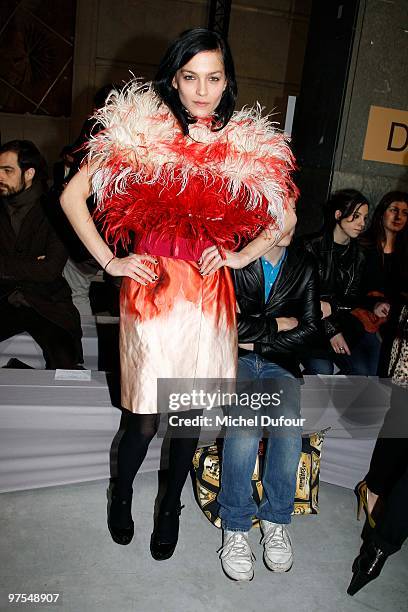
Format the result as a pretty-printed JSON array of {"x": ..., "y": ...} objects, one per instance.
[{"x": 191, "y": 188}]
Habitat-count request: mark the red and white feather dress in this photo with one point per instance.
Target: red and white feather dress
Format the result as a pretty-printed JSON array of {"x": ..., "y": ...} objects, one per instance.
[{"x": 171, "y": 196}]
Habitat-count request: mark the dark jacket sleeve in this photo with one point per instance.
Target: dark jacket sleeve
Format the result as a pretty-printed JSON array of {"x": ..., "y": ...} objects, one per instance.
[
  {"x": 263, "y": 331},
  {"x": 331, "y": 326},
  {"x": 342, "y": 305},
  {"x": 256, "y": 329},
  {"x": 294, "y": 339},
  {"x": 30, "y": 269}
]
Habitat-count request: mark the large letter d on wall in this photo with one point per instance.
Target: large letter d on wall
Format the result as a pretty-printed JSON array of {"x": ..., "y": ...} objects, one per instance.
[
  {"x": 401, "y": 130},
  {"x": 387, "y": 136}
]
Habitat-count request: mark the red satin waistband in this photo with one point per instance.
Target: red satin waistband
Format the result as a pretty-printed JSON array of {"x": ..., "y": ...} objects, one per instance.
[{"x": 178, "y": 247}]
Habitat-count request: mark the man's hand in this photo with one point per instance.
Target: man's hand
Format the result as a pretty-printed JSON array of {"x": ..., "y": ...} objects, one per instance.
[
  {"x": 326, "y": 309},
  {"x": 286, "y": 323},
  {"x": 339, "y": 345}
]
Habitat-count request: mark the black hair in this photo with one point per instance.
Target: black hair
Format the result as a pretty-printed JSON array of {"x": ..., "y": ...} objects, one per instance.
[
  {"x": 66, "y": 150},
  {"x": 375, "y": 235},
  {"x": 347, "y": 201},
  {"x": 28, "y": 156},
  {"x": 178, "y": 54}
]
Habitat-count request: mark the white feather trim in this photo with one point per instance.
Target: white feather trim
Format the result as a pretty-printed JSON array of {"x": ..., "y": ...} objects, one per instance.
[{"x": 137, "y": 145}]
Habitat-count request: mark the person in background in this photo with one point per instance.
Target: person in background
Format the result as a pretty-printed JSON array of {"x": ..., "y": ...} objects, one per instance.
[
  {"x": 34, "y": 297},
  {"x": 385, "y": 278},
  {"x": 81, "y": 268},
  {"x": 62, "y": 169},
  {"x": 383, "y": 494},
  {"x": 279, "y": 313},
  {"x": 340, "y": 261}
]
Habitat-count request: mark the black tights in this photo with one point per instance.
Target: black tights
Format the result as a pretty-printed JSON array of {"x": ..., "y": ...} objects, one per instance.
[{"x": 140, "y": 429}]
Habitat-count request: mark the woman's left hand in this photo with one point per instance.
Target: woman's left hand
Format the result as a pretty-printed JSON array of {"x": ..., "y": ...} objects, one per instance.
[{"x": 211, "y": 260}]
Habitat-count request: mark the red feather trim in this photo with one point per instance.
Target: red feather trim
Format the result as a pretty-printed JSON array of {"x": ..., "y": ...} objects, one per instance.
[{"x": 202, "y": 212}]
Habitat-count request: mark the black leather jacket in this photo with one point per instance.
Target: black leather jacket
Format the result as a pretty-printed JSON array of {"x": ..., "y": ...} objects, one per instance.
[
  {"x": 294, "y": 294},
  {"x": 340, "y": 278}
]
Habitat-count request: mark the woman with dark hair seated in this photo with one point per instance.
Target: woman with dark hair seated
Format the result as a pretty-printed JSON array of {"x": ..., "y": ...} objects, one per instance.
[
  {"x": 385, "y": 278},
  {"x": 340, "y": 262},
  {"x": 191, "y": 188},
  {"x": 383, "y": 494}
]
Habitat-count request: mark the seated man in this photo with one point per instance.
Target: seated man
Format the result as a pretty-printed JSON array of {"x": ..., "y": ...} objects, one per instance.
[
  {"x": 279, "y": 311},
  {"x": 34, "y": 297}
]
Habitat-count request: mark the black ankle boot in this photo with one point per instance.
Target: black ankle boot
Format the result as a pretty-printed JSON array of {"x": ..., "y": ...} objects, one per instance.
[
  {"x": 165, "y": 534},
  {"x": 120, "y": 523},
  {"x": 367, "y": 566}
]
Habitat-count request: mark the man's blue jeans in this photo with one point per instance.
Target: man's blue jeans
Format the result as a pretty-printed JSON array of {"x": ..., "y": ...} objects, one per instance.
[{"x": 237, "y": 506}]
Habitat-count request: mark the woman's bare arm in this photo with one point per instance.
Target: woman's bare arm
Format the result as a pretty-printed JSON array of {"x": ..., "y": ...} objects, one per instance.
[
  {"x": 73, "y": 202},
  {"x": 211, "y": 259}
]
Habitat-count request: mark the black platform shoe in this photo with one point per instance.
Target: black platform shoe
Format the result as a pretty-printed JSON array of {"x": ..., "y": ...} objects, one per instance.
[
  {"x": 165, "y": 534},
  {"x": 120, "y": 523},
  {"x": 367, "y": 566}
]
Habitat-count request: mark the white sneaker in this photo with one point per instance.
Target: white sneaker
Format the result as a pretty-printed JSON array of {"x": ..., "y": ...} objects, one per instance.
[
  {"x": 278, "y": 555},
  {"x": 236, "y": 556}
]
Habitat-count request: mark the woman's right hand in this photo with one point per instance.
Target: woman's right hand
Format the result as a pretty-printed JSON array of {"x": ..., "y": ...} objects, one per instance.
[
  {"x": 382, "y": 309},
  {"x": 134, "y": 266},
  {"x": 339, "y": 345}
]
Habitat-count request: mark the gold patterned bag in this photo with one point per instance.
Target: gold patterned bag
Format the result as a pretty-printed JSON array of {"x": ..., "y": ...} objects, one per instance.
[{"x": 206, "y": 464}]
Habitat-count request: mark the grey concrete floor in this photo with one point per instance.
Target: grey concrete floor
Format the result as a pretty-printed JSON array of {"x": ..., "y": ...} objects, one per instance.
[{"x": 56, "y": 540}]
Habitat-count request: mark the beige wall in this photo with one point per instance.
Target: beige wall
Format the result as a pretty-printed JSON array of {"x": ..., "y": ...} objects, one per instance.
[
  {"x": 268, "y": 39},
  {"x": 112, "y": 38}
]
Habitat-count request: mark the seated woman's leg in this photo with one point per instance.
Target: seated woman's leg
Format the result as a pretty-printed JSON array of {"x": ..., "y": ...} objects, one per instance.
[
  {"x": 389, "y": 457},
  {"x": 365, "y": 355},
  {"x": 317, "y": 365},
  {"x": 385, "y": 539},
  {"x": 392, "y": 529}
]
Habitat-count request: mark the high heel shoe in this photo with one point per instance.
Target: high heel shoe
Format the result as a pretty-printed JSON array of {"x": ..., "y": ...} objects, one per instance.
[
  {"x": 367, "y": 566},
  {"x": 164, "y": 538},
  {"x": 361, "y": 492},
  {"x": 120, "y": 522}
]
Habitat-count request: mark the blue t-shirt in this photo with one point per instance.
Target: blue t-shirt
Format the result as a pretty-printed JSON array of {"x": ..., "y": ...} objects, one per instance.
[{"x": 270, "y": 273}]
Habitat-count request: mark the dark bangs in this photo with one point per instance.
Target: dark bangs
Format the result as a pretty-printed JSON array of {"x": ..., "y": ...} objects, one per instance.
[
  {"x": 179, "y": 53},
  {"x": 347, "y": 201}
]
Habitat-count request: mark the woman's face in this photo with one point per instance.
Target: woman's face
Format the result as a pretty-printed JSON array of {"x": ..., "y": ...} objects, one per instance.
[
  {"x": 395, "y": 216},
  {"x": 354, "y": 224},
  {"x": 200, "y": 83}
]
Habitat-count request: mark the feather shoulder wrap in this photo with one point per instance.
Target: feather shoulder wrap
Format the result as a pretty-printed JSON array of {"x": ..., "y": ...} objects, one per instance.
[{"x": 222, "y": 187}]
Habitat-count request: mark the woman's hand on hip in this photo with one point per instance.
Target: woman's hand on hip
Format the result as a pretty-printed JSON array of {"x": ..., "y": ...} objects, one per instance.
[
  {"x": 211, "y": 260},
  {"x": 134, "y": 266}
]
